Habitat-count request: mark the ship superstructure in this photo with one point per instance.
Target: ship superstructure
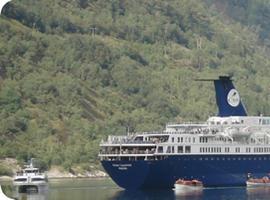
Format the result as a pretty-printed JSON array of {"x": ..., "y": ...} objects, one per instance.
[{"x": 218, "y": 152}]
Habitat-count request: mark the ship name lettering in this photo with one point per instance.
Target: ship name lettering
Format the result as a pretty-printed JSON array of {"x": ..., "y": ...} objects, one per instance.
[{"x": 122, "y": 165}]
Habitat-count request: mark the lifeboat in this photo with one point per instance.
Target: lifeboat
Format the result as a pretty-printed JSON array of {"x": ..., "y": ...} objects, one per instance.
[
  {"x": 182, "y": 184},
  {"x": 264, "y": 181}
]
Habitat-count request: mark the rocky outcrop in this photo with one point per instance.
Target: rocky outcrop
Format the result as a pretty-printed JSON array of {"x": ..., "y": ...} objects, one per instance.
[
  {"x": 55, "y": 171},
  {"x": 59, "y": 172}
]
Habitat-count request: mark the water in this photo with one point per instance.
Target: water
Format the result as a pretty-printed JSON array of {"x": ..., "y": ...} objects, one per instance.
[{"x": 105, "y": 189}]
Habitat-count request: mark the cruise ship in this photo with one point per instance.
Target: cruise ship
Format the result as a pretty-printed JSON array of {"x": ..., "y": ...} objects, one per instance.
[{"x": 219, "y": 152}]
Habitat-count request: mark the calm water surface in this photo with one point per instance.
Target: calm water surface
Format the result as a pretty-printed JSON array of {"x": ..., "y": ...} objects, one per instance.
[{"x": 105, "y": 189}]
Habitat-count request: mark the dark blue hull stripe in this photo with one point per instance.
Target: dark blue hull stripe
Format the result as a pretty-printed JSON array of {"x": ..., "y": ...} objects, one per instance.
[{"x": 212, "y": 170}]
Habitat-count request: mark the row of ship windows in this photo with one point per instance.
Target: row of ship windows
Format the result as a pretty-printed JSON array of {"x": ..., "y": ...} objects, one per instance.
[
  {"x": 186, "y": 139},
  {"x": 236, "y": 150},
  {"x": 205, "y": 140},
  {"x": 193, "y": 139},
  {"x": 189, "y": 139},
  {"x": 172, "y": 149},
  {"x": 187, "y": 149},
  {"x": 227, "y": 158},
  {"x": 264, "y": 121},
  {"x": 225, "y": 122}
]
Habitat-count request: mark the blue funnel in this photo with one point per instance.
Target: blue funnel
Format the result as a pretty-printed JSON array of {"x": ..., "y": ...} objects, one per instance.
[{"x": 228, "y": 99}]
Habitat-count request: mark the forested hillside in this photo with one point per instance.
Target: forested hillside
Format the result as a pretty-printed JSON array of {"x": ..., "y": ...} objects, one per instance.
[{"x": 74, "y": 71}]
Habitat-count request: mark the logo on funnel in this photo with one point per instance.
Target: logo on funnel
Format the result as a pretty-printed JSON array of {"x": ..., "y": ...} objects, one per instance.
[{"x": 233, "y": 98}]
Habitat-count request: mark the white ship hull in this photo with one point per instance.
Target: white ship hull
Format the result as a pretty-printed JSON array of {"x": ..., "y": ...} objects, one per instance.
[{"x": 41, "y": 183}]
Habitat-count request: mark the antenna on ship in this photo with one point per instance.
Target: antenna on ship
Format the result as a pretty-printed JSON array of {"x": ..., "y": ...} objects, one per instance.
[{"x": 127, "y": 129}]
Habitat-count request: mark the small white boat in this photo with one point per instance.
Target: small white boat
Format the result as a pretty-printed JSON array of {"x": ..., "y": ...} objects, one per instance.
[
  {"x": 264, "y": 181},
  {"x": 182, "y": 184},
  {"x": 29, "y": 178},
  {"x": 3, "y": 196}
]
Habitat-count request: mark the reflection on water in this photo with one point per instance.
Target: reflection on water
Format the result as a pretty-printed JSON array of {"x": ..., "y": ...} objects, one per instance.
[
  {"x": 41, "y": 194},
  {"x": 227, "y": 193},
  {"x": 143, "y": 195},
  {"x": 189, "y": 193},
  {"x": 31, "y": 196},
  {"x": 105, "y": 189},
  {"x": 260, "y": 192},
  {"x": 82, "y": 189}
]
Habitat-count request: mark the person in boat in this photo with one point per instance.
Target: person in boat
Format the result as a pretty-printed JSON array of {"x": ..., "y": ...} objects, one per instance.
[
  {"x": 264, "y": 179},
  {"x": 189, "y": 182}
]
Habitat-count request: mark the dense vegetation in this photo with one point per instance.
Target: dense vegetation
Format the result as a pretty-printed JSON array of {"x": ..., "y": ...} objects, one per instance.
[{"x": 74, "y": 71}]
